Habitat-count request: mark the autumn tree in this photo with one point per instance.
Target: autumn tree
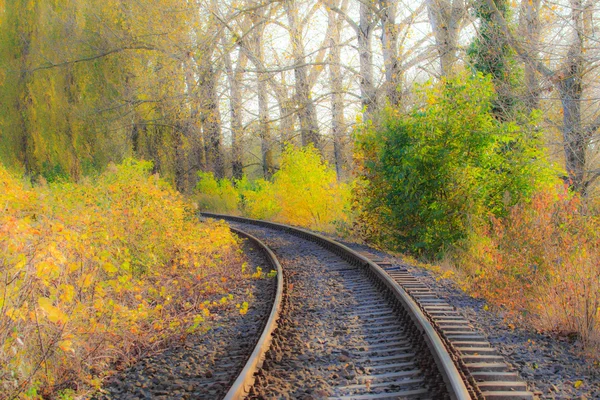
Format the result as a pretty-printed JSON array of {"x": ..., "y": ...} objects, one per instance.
[{"x": 568, "y": 80}]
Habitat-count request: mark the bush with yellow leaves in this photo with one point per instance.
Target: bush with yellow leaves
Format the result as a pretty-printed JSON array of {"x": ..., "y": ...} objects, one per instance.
[
  {"x": 303, "y": 192},
  {"x": 93, "y": 272}
]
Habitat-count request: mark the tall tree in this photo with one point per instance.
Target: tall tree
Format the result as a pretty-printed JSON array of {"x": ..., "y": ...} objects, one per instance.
[
  {"x": 337, "y": 90},
  {"x": 364, "y": 34},
  {"x": 389, "y": 41},
  {"x": 264, "y": 126},
  {"x": 306, "y": 110},
  {"x": 491, "y": 54},
  {"x": 235, "y": 76},
  {"x": 568, "y": 80},
  {"x": 529, "y": 30},
  {"x": 445, "y": 17}
]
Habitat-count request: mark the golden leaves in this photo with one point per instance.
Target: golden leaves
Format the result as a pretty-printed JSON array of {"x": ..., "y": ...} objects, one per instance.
[
  {"x": 66, "y": 346},
  {"x": 303, "y": 192},
  {"x": 110, "y": 269},
  {"x": 54, "y": 314},
  {"x": 92, "y": 280}
]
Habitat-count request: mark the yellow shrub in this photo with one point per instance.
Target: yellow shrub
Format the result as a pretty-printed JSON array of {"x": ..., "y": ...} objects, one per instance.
[
  {"x": 216, "y": 195},
  {"x": 304, "y": 192},
  {"x": 259, "y": 199},
  {"x": 93, "y": 271}
]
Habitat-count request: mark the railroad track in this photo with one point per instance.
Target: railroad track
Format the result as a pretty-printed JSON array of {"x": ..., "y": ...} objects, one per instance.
[
  {"x": 220, "y": 362},
  {"x": 385, "y": 336}
]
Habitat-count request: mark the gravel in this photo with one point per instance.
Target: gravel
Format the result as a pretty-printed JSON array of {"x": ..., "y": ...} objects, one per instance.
[
  {"x": 202, "y": 365},
  {"x": 551, "y": 365},
  {"x": 316, "y": 348}
]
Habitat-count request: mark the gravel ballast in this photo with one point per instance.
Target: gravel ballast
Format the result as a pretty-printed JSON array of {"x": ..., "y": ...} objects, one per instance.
[
  {"x": 551, "y": 366},
  {"x": 338, "y": 334}
]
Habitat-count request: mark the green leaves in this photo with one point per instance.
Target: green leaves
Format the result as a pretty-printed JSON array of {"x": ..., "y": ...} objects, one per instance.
[{"x": 448, "y": 164}]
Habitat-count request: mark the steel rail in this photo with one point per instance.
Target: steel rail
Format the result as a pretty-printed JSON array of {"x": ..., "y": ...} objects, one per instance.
[
  {"x": 452, "y": 378},
  {"x": 241, "y": 386}
]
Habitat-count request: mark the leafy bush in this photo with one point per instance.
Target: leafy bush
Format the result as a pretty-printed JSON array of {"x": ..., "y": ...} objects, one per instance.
[
  {"x": 304, "y": 192},
  {"x": 216, "y": 195},
  {"x": 96, "y": 271},
  {"x": 431, "y": 175},
  {"x": 541, "y": 263},
  {"x": 258, "y": 199},
  {"x": 307, "y": 192}
]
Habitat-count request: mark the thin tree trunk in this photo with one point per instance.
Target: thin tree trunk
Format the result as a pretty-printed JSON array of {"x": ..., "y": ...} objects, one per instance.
[
  {"x": 211, "y": 121},
  {"x": 368, "y": 93},
  {"x": 571, "y": 90},
  {"x": 191, "y": 131},
  {"x": 389, "y": 41},
  {"x": 307, "y": 113},
  {"x": 529, "y": 26},
  {"x": 445, "y": 17},
  {"x": 337, "y": 97},
  {"x": 286, "y": 115},
  {"x": 21, "y": 101},
  {"x": 235, "y": 109},
  {"x": 180, "y": 167},
  {"x": 263, "y": 113}
]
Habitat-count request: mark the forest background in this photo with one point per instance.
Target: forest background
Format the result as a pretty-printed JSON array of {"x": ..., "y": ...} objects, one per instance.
[{"x": 462, "y": 132}]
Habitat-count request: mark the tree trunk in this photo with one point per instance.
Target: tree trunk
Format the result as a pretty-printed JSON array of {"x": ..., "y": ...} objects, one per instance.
[
  {"x": 286, "y": 116},
  {"x": 389, "y": 42},
  {"x": 445, "y": 17},
  {"x": 529, "y": 26},
  {"x": 337, "y": 97},
  {"x": 263, "y": 114},
  {"x": 182, "y": 182},
  {"x": 368, "y": 93},
  {"x": 307, "y": 113},
  {"x": 235, "y": 109},
  {"x": 191, "y": 130},
  {"x": 571, "y": 90},
  {"x": 568, "y": 81},
  {"x": 211, "y": 121}
]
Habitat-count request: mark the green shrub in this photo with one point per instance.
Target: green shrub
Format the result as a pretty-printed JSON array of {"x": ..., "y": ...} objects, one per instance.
[{"x": 431, "y": 174}]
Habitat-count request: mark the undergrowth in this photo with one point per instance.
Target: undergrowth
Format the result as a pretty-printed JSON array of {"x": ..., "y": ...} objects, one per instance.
[
  {"x": 303, "y": 192},
  {"x": 541, "y": 265},
  {"x": 95, "y": 273}
]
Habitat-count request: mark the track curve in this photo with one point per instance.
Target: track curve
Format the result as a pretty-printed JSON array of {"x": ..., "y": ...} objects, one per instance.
[
  {"x": 241, "y": 386},
  {"x": 441, "y": 380}
]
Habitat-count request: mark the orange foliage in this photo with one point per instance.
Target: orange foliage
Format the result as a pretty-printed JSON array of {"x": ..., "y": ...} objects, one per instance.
[
  {"x": 542, "y": 264},
  {"x": 93, "y": 272}
]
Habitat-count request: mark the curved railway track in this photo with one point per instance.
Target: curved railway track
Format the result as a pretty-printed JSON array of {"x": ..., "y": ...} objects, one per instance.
[
  {"x": 391, "y": 338},
  {"x": 376, "y": 344},
  {"x": 335, "y": 324},
  {"x": 242, "y": 384}
]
